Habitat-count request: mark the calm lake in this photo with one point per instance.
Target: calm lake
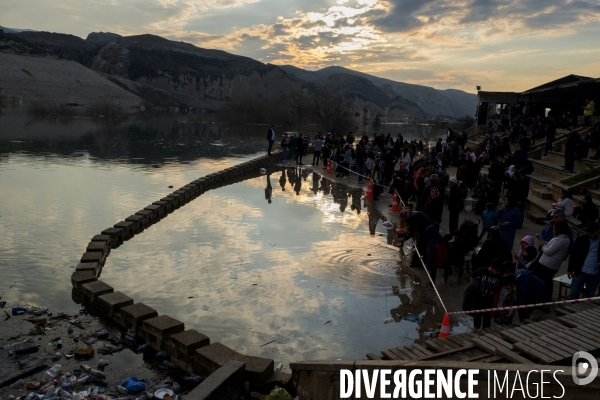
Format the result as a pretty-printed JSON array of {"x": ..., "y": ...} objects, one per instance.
[{"x": 312, "y": 269}]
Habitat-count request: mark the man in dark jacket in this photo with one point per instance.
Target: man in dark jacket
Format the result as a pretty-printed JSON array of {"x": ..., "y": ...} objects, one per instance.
[
  {"x": 530, "y": 290},
  {"x": 496, "y": 172},
  {"x": 455, "y": 203},
  {"x": 570, "y": 149},
  {"x": 417, "y": 224},
  {"x": 299, "y": 149},
  {"x": 520, "y": 157},
  {"x": 271, "y": 138},
  {"x": 583, "y": 262},
  {"x": 492, "y": 248},
  {"x": 550, "y": 135}
]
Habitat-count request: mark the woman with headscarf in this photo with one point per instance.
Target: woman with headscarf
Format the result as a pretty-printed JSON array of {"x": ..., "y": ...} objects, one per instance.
[
  {"x": 588, "y": 212},
  {"x": 509, "y": 220},
  {"x": 565, "y": 201},
  {"x": 523, "y": 244}
]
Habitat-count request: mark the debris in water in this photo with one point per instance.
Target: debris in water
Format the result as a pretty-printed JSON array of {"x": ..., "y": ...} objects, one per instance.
[
  {"x": 327, "y": 322},
  {"x": 268, "y": 343},
  {"x": 388, "y": 320},
  {"x": 190, "y": 297}
]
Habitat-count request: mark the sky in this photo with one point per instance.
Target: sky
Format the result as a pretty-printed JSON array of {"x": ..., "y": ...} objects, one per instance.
[{"x": 500, "y": 45}]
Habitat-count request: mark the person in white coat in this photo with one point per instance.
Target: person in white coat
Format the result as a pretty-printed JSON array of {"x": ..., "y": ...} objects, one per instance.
[{"x": 554, "y": 253}]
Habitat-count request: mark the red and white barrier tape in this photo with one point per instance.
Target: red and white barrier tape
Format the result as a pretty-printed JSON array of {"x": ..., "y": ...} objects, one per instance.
[{"x": 549, "y": 303}]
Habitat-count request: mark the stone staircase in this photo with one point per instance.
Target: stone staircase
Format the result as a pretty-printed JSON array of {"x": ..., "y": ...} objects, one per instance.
[{"x": 545, "y": 185}]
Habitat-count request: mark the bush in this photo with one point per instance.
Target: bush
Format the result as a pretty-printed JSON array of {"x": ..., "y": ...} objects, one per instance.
[
  {"x": 41, "y": 109},
  {"x": 106, "y": 109}
]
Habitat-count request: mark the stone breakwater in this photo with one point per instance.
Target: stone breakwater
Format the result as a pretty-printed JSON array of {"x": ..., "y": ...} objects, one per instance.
[{"x": 189, "y": 349}]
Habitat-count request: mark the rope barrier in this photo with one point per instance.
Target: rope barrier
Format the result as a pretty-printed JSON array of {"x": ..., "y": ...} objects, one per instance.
[
  {"x": 549, "y": 303},
  {"x": 435, "y": 288},
  {"x": 419, "y": 255}
]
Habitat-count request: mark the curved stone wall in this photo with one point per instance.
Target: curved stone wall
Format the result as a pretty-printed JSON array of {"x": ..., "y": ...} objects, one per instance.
[{"x": 189, "y": 349}]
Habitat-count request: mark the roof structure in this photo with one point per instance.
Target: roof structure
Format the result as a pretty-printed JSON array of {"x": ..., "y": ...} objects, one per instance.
[{"x": 569, "y": 80}]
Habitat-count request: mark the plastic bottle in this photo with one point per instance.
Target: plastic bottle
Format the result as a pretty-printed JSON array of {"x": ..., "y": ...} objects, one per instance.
[
  {"x": 33, "y": 385},
  {"x": 51, "y": 373},
  {"x": 388, "y": 320},
  {"x": 70, "y": 329},
  {"x": 97, "y": 374},
  {"x": 86, "y": 368},
  {"x": 143, "y": 347},
  {"x": 83, "y": 379},
  {"x": 17, "y": 384},
  {"x": 18, "y": 311},
  {"x": 82, "y": 310},
  {"x": 169, "y": 364},
  {"x": 193, "y": 378},
  {"x": 103, "y": 363},
  {"x": 94, "y": 392},
  {"x": 122, "y": 390},
  {"x": 59, "y": 344},
  {"x": 176, "y": 387},
  {"x": 102, "y": 334}
]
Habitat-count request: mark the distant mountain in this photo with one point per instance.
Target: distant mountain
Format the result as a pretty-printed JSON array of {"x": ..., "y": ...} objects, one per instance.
[
  {"x": 435, "y": 102},
  {"x": 14, "y": 30}
]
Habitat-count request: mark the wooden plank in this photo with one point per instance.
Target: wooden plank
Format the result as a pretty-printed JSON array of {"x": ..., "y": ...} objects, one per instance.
[
  {"x": 584, "y": 333},
  {"x": 567, "y": 343},
  {"x": 445, "y": 353},
  {"x": 550, "y": 350},
  {"x": 493, "y": 359},
  {"x": 371, "y": 356},
  {"x": 389, "y": 355},
  {"x": 422, "y": 349},
  {"x": 415, "y": 351},
  {"x": 528, "y": 349},
  {"x": 554, "y": 343},
  {"x": 514, "y": 336},
  {"x": 400, "y": 354},
  {"x": 555, "y": 325},
  {"x": 583, "y": 320},
  {"x": 404, "y": 353},
  {"x": 447, "y": 342},
  {"x": 438, "y": 346},
  {"x": 536, "y": 329},
  {"x": 458, "y": 341},
  {"x": 566, "y": 321},
  {"x": 481, "y": 358},
  {"x": 497, "y": 341},
  {"x": 512, "y": 356},
  {"x": 560, "y": 311},
  {"x": 485, "y": 346},
  {"x": 529, "y": 331}
]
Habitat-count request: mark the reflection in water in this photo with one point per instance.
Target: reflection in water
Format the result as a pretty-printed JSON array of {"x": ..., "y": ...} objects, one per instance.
[{"x": 243, "y": 270}]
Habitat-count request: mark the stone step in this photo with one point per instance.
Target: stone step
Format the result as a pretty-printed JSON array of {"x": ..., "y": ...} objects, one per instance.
[
  {"x": 543, "y": 194},
  {"x": 227, "y": 382},
  {"x": 595, "y": 193},
  {"x": 550, "y": 171},
  {"x": 538, "y": 206},
  {"x": 558, "y": 159},
  {"x": 536, "y": 218},
  {"x": 539, "y": 182}
]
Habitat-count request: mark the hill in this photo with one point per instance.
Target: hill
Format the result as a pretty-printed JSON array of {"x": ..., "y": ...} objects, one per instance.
[{"x": 435, "y": 102}]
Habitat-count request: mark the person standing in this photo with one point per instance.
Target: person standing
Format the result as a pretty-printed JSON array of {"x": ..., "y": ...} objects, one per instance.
[
  {"x": 455, "y": 203},
  {"x": 550, "y": 135},
  {"x": 554, "y": 253},
  {"x": 271, "y": 138},
  {"x": 284, "y": 147},
  {"x": 570, "y": 149},
  {"x": 438, "y": 254},
  {"x": 509, "y": 220},
  {"x": 583, "y": 263},
  {"x": 588, "y": 111},
  {"x": 487, "y": 282},
  {"x": 318, "y": 143},
  {"x": 299, "y": 149}
]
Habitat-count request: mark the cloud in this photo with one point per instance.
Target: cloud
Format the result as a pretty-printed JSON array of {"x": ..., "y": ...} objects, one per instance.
[{"x": 402, "y": 15}]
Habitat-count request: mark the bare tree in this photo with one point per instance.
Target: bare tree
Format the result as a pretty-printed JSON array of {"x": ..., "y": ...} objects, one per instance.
[{"x": 332, "y": 111}]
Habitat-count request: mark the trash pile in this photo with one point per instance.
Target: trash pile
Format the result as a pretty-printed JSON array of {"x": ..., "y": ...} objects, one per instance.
[{"x": 64, "y": 346}]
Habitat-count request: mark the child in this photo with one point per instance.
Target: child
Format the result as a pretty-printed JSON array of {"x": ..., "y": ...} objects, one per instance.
[
  {"x": 488, "y": 218},
  {"x": 480, "y": 293},
  {"x": 528, "y": 254},
  {"x": 505, "y": 297}
]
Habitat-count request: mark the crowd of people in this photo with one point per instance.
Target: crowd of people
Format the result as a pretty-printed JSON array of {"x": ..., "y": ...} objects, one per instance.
[{"x": 502, "y": 274}]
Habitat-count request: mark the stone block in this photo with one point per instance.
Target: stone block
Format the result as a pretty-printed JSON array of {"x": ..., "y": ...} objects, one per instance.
[
  {"x": 166, "y": 204},
  {"x": 101, "y": 238},
  {"x": 114, "y": 233},
  {"x": 80, "y": 277},
  {"x": 162, "y": 327},
  {"x": 89, "y": 266},
  {"x": 226, "y": 383},
  {"x": 139, "y": 220},
  {"x": 184, "y": 193},
  {"x": 186, "y": 342},
  {"x": 113, "y": 302},
  {"x": 209, "y": 358},
  {"x": 93, "y": 290},
  {"x": 146, "y": 213},
  {"x": 93, "y": 256},
  {"x": 136, "y": 314},
  {"x": 97, "y": 246},
  {"x": 157, "y": 210},
  {"x": 185, "y": 363},
  {"x": 127, "y": 226}
]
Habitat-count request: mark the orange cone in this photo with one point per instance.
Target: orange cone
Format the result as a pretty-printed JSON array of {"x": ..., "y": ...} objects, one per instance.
[
  {"x": 328, "y": 167},
  {"x": 445, "y": 331},
  {"x": 395, "y": 202},
  {"x": 369, "y": 192}
]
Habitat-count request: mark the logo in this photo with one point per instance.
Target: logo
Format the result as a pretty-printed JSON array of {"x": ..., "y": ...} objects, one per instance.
[{"x": 580, "y": 368}]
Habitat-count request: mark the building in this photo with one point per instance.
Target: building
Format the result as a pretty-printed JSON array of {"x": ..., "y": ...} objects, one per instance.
[{"x": 562, "y": 97}]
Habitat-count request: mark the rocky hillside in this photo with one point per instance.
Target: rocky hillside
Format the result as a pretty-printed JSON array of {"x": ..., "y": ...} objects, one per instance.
[
  {"x": 165, "y": 72},
  {"x": 435, "y": 102}
]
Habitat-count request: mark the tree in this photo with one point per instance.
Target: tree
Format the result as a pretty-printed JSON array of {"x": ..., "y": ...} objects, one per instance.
[{"x": 332, "y": 111}]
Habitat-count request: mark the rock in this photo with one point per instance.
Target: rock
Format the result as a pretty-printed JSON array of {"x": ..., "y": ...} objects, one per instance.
[{"x": 84, "y": 353}]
